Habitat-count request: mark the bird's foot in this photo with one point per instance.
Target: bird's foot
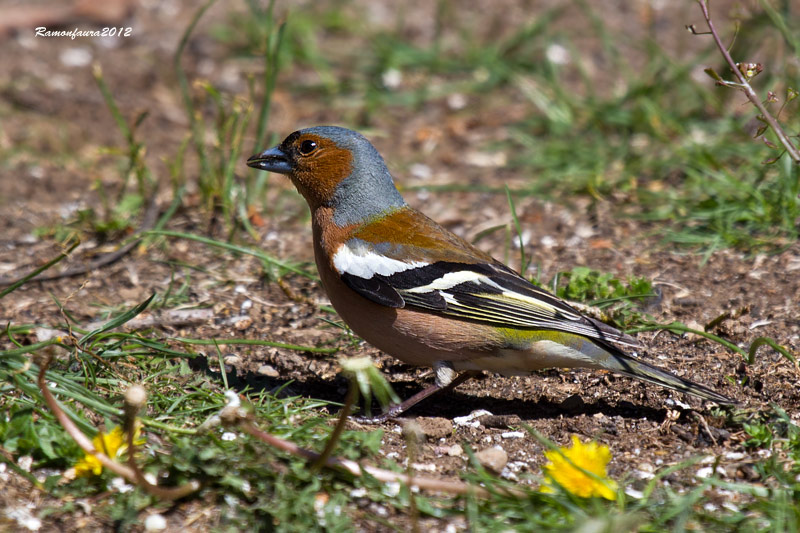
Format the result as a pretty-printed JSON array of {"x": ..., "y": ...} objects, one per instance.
[{"x": 397, "y": 409}]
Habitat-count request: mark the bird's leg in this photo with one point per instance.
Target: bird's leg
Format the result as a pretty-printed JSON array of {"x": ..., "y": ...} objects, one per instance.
[{"x": 446, "y": 379}]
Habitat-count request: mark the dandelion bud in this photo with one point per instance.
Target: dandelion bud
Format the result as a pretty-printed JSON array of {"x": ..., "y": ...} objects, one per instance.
[{"x": 135, "y": 397}]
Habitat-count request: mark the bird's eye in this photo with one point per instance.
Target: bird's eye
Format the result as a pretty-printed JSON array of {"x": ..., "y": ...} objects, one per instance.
[{"x": 307, "y": 146}]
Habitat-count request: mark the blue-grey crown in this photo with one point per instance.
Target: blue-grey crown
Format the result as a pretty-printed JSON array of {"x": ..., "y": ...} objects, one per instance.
[{"x": 369, "y": 190}]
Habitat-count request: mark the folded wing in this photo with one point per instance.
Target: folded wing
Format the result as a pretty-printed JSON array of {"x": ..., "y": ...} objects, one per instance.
[{"x": 488, "y": 293}]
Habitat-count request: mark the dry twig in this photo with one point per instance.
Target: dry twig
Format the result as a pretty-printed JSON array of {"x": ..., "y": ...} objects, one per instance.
[
  {"x": 234, "y": 415},
  {"x": 745, "y": 86}
]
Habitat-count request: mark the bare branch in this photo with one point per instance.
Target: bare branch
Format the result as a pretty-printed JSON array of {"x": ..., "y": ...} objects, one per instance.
[{"x": 744, "y": 85}]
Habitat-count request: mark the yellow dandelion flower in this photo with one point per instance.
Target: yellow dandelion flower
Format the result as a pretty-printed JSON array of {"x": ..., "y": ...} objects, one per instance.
[
  {"x": 591, "y": 457},
  {"x": 113, "y": 444}
]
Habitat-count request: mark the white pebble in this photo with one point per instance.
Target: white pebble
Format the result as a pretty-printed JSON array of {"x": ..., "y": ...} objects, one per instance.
[
  {"x": 469, "y": 420},
  {"x": 731, "y": 507},
  {"x": 391, "y": 489},
  {"x": 358, "y": 493},
  {"x": 232, "y": 399},
  {"x": 76, "y": 57},
  {"x": 633, "y": 493},
  {"x": 456, "y": 101},
  {"x": 120, "y": 485},
  {"x": 557, "y": 54},
  {"x": 424, "y": 467},
  {"x": 24, "y": 518},
  {"x": 25, "y": 462},
  {"x": 421, "y": 171},
  {"x": 392, "y": 78},
  {"x": 708, "y": 471},
  {"x": 155, "y": 522}
]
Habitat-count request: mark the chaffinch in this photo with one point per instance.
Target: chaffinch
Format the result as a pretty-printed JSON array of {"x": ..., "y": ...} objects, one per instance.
[{"x": 426, "y": 296}]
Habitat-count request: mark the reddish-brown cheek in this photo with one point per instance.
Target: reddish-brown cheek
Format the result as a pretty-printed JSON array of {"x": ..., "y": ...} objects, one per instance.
[{"x": 317, "y": 178}]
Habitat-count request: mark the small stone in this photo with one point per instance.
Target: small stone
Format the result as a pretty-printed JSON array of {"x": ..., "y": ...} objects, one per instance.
[
  {"x": 499, "y": 421},
  {"x": 76, "y": 57},
  {"x": 232, "y": 360},
  {"x": 455, "y": 450},
  {"x": 155, "y": 522},
  {"x": 693, "y": 324},
  {"x": 435, "y": 427},
  {"x": 456, "y": 101},
  {"x": 708, "y": 471},
  {"x": 486, "y": 159},
  {"x": 268, "y": 371},
  {"x": 243, "y": 324},
  {"x": 421, "y": 171},
  {"x": 424, "y": 467},
  {"x": 471, "y": 420},
  {"x": 45, "y": 334},
  {"x": 647, "y": 467},
  {"x": 392, "y": 78},
  {"x": 493, "y": 459},
  {"x": 25, "y": 463}
]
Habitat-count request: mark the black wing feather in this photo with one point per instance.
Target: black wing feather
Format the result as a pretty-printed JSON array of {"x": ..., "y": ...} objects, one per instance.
[
  {"x": 498, "y": 296},
  {"x": 376, "y": 289}
]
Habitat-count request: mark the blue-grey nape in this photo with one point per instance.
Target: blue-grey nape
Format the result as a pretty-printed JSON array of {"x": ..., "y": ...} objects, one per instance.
[{"x": 369, "y": 190}]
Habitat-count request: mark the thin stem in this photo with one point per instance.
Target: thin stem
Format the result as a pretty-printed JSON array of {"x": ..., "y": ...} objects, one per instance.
[
  {"x": 14, "y": 285},
  {"x": 133, "y": 475},
  {"x": 333, "y": 440},
  {"x": 77, "y": 435},
  {"x": 355, "y": 469},
  {"x": 748, "y": 90}
]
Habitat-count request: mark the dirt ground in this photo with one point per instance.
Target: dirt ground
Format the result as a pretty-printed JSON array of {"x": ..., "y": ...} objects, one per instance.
[{"x": 54, "y": 124}]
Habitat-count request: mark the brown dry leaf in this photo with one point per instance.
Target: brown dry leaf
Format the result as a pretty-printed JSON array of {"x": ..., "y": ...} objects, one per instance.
[{"x": 600, "y": 244}]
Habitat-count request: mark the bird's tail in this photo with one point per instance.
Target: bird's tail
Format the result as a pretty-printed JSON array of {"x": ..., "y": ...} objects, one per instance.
[{"x": 624, "y": 364}]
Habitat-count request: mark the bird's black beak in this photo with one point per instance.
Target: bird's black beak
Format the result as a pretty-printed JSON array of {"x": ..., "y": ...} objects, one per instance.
[{"x": 272, "y": 160}]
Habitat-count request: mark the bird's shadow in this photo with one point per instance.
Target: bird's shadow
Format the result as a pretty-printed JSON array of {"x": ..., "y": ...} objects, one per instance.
[{"x": 447, "y": 404}]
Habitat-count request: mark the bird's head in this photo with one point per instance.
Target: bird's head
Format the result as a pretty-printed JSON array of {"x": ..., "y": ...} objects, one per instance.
[{"x": 334, "y": 167}]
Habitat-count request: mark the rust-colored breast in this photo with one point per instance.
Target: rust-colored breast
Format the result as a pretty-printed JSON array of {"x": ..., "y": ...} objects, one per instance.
[{"x": 327, "y": 237}]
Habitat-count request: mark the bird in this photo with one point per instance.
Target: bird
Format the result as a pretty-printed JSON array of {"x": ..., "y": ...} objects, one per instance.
[{"x": 424, "y": 295}]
